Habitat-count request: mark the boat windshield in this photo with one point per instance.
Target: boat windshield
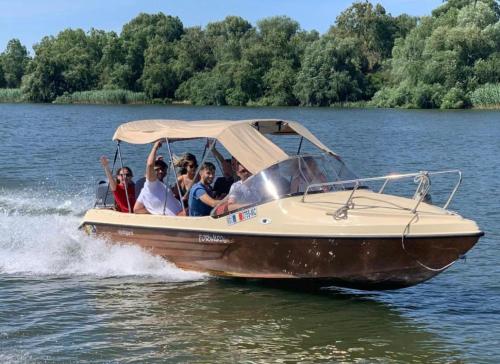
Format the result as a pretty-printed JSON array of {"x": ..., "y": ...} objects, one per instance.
[{"x": 287, "y": 178}]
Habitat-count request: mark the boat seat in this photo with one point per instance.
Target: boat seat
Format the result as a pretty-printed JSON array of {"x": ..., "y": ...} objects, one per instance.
[{"x": 102, "y": 189}]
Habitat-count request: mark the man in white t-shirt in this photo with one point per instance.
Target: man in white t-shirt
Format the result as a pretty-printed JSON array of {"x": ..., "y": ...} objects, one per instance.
[{"x": 156, "y": 198}]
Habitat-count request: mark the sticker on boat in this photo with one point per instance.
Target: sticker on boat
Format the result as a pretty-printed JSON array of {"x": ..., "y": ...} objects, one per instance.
[
  {"x": 241, "y": 216},
  {"x": 212, "y": 238}
]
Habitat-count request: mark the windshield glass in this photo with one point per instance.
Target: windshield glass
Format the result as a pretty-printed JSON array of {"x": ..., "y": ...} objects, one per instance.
[{"x": 287, "y": 178}]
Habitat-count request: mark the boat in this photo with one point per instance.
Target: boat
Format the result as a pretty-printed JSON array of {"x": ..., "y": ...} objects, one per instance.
[{"x": 331, "y": 227}]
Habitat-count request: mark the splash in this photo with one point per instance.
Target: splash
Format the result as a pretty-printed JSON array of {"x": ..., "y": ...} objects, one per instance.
[{"x": 39, "y": 236}]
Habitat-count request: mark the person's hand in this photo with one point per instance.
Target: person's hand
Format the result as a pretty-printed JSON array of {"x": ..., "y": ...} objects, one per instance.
[
  {"x": 157, "y": 144},
  {"x": 104, "y": 161}
]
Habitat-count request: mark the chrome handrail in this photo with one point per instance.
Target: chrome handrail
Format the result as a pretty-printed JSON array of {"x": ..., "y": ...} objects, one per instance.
[{"x": 423, "y": 177}]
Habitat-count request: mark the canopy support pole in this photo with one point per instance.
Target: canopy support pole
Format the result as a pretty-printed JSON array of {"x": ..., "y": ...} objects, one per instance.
[
  {"x": 181, "y": 197},
  {"x": 300, "y": 144},
  {"x": 118, "y": 150},
  {"x": 107, "y": 189},
  {"x": 203, "y": 158}
]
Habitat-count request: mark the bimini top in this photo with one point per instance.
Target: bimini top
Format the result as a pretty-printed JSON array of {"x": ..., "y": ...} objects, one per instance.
[{"x": 244, "y": 139}]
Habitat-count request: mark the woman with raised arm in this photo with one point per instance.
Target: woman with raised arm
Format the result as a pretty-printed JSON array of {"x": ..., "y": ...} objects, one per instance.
[{"x": 118, "y": 186}]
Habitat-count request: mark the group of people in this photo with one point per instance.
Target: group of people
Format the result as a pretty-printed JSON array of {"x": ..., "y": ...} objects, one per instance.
[{"x": 190, "y": 195}]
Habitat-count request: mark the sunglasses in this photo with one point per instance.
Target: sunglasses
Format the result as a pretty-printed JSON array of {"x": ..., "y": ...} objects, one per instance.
[
  {"x": 124, "y": 174},
  {"x": 159, "y": 170}
]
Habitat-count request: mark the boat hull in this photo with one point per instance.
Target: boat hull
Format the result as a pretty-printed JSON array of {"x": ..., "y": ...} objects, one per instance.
[{"x": 356, "y": 262}]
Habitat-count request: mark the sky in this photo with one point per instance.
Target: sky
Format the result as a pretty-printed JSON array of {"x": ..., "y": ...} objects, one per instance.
[{"x": 31, "y": 20}]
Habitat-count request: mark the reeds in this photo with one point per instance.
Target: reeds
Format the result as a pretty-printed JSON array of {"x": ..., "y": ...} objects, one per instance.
[
  {"x": 487, "y": 96},
  {"x": 103, "y": 97},
  {"x": 11, "y": 95}
]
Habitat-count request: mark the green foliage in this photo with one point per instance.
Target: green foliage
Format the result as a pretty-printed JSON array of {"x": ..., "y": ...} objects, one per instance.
[
  {"x": 421, "y": 96},
  {"x": 227, "y": 38},
  {"x": 457, "y": 48},
  {"x": 66, "y": 63},
  {"x": 11, "y": 95},
  {"x": 13, "y": 63},
  {"x": 331, "y": 72},
  {"x": 2, "y": 78},
  {"x": 432, "y": 62},
  {"x": 455, "y": 98},
  {"x": 159, "y": 79},
  {"x": 102, "y": 97},
  {"x": 486, "y": 96},
  {"x": 231, "y": 83},
  {"x": 375, "y": 29},
  {"x": 137, "y": 36}
]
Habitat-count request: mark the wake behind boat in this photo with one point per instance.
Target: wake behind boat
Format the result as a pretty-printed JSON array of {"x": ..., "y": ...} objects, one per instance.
[{"x": 309, "y": 217}]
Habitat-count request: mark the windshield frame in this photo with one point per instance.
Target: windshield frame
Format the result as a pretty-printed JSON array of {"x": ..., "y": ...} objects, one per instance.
[{"x": 277, "y": 182}]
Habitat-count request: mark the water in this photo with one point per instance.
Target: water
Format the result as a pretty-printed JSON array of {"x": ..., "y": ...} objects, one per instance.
[{"x": 66, "y": 297}]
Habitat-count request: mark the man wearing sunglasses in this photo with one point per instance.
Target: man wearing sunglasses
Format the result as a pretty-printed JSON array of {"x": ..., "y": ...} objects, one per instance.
[{"x": 156, "y": 198}]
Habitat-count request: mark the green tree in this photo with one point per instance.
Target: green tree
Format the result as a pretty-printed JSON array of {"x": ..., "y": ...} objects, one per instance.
[
  {"x": 229, "y": 83},
  {"x": 14, "y": 62},
  {"x": 331, "y": 72},
  {"x": 227, "y": 38},
  {"x": 137, "y": 35},
  {"x": 2, "y": 79},
  {"x": 455, "y": 49},
  {"x": 114, "y": 72},
  {"x": 66, "y": 63},
  {"x": 159, "y": 79},
  {"x": 278, "y": 84},
  {"x": 193, "y": 54}
]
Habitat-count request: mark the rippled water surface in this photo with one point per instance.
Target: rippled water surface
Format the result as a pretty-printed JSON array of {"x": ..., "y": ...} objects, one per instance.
[{"x": 66, "y": 297}]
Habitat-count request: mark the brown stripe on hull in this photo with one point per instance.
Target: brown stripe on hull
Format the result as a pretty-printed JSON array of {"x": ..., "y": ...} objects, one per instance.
[{"x": 368, "y": 263}]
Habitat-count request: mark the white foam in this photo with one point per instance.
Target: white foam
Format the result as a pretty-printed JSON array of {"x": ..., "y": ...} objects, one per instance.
[{"x": 45, "y": 240}]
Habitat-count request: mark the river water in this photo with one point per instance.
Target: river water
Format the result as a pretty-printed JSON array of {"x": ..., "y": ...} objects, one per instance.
[{"x": 66, "y": 297}]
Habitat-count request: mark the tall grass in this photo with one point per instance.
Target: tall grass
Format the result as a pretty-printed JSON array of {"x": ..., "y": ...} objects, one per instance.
[
  {"x": 103, "y": 97},
  {"x": 11, "y": 95},
  {"x": 486, "y": 96}
]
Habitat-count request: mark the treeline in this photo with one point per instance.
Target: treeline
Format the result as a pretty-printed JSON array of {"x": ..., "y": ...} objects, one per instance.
[{"x": 450, "y": 59}]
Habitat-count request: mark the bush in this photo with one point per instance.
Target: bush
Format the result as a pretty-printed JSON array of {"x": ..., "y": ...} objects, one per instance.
[
  {"x": 423, "y": 96},
  {"x": 486, "y": 96},
  {"x": 455, "y": 99},
  {"x": 103, "y": 97},
  {"x": 11, "y": 95},
  {"x": 393, "y": 97},
  {"x": 427, "y": 96}
]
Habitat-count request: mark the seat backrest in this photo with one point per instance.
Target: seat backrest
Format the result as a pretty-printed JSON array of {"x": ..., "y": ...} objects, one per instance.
[{"x": 102, "y": 189}]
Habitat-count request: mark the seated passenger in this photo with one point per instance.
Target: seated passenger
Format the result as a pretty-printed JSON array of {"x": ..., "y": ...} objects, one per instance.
[
  {"x": 188, "y": 165},
  {"x": 156, "y": 198},
  {"x": 201, "y": 196},
  {"x": 223, "y": 184},
  {"x": 307, "y": 173},
  {"x": 241, "y": 194},
  {"x": 139, "y": 184},
  {"x": 280, "y": 183},
  {"x": 123, "y": 181}
]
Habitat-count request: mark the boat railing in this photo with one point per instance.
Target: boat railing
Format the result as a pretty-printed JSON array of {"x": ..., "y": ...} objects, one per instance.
[{"x": 421, "y": 192}]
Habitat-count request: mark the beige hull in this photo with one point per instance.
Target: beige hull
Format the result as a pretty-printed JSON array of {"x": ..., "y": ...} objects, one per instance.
[{"x": 379, "y": 244}]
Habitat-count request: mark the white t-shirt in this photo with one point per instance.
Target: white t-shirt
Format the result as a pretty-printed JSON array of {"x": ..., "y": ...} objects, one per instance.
[
  {"x": 158, "y": 199},
  {"x": 242, "y": 194}
]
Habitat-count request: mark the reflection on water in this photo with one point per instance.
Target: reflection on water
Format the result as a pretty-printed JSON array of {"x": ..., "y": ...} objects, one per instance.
[{"x": 215, "y": 320}]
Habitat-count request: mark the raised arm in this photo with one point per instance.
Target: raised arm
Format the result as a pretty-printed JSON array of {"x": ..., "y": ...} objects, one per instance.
[
  {"x": 105, "y": 164},
  {"x": 224, "y": 164},
  {"x": 150, "y": 163}
]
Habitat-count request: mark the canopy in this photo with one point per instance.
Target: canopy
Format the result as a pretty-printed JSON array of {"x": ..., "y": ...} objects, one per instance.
[{"x": 244, "y": 139}]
